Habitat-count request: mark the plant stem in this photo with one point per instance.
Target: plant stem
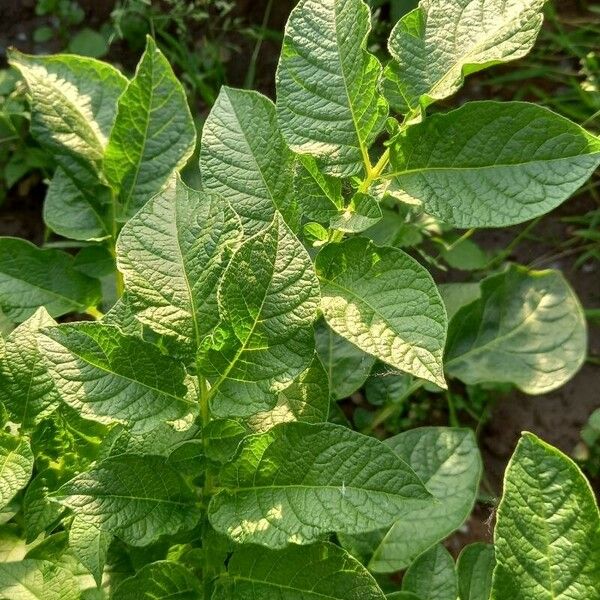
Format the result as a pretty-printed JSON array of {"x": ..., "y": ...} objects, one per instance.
[
  {"x": 452, "y": 417},
  {"x": 207, "y": 488},
  {"x": 389, "y": 410},
  {"x": 94, "y": 312},
  {"x": 251, "y": 73},
  {"x": 373, "y": 173}
]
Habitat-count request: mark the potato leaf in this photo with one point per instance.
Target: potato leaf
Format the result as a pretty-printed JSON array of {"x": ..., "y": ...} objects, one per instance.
[
  {"x": 386, "y": 303},
  {"x": 546, "y": 535},
  {"x": 527, "y": 328},
  {"x": 492, "y": 164},
  {"x": 243, "y": 157},
  {"x": 298, "y": 481},
  {"x": 153, "y": 133},
  {"x": 328, "y": 102}
]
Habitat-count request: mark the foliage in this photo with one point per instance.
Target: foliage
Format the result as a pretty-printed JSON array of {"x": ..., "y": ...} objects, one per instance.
[{"x": 185, "y": 442}]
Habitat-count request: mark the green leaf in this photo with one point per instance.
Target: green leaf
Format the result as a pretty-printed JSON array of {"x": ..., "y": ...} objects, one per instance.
[
  {"x": 162, "y": 579},
  {"x": 318, "y": 196},
  {"x": 402, "y": 596},
  {"x": 268, "y": 299},
  {"x": 306, "y": 400},
  {"x": 73, "y": 212},
  {"x": 447, "y": 461},
  {"x": 243, "y": 157},
  {"x": 432, "y": 576},
  {"x": 457, "y": 295},
  {"x": 387, "y": 386},
  {"x": 436, "y": 45},
  {"x": 346, "y": 365},
  {"x": 123, "y": 316},
  {"x": 328, "y": 102},
  {"x": 222, "y": 438},
  {"x": 95, "y": 260},
  {"x": 74, "y": 102},
  {"x": 39, "y": 512},
  {"x": 153, "y": 135},
  {"x": 16, "y": 464},
  {"x": 110, "y": 377},
  {"x": 26, "y": 389},
  {"x": 88, "y": 42},
  {"x": 475, "y": 566},
  {"x": 160, "y": 441},
  {"x": 298, "y": 481},
  {"x": 31, "y": 277},
  {"x": 491, "y": 164},
  {"x": 36, "y": 580},
  {"x": 386, "y": 303},
  {"x": 546, "y": 535},
  {"x": 172, "y": 254},
  {"x": 136, "y": 498},
  {"x": 362, "y": 212},
  {"x": 318, "y": 571},
  {"x": 527, "y": 328},
  {"x": 90, "y": 545},
  {"x": 465, "y": 255}
]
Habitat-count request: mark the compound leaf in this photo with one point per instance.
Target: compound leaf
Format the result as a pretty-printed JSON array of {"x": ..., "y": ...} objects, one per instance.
[
  {"x": 527, "y": 328},
  {"x": 437, "y": 44},
  {"x": 447, "y": 460},
  {"x": 546, "y": 535},
  {"x": 31, "y": 277},
  {"x": 90, "y": 546},
  {"x": 432, "y": 576},
  {"x": 172, "y": 254},
  {"x": 153, "y": 135},
  {"x": 298, "y": 481},
  {"x": 26, "y": 388},
  {"x": 32, "y": 579},
  {"x": 328, "y": 100},
  {"x": 491, "y": 164},
  {"x": 320, "y": 571},
  {"x": 136, "y": 498},
  {"x": 110, "y": 377},
  {"x": 16, "y": 465},
  {"x": 386, "y": 303},
  {"x": 244, "y": 158},
  {"x": 475, "y": 566},
  {"x": 268, "y": 299}
]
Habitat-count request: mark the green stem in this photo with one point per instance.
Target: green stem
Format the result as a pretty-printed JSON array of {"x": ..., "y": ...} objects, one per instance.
[
  {"x": 94, "y": 312},
  {"x": 373, "y": 173},
  {"x": 207, "y": 488},
  {"x": 389, "y": 410},
  {"x": 452, "y": 417},
  {"x": 251, "y": 73}
]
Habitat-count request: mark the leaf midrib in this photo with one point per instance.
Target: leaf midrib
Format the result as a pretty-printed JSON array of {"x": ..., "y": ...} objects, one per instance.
[{"x": 420, "y": 170}]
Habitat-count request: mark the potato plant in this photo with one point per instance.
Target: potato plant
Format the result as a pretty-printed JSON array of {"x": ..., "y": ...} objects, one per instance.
[{"x": 184, "y": 444}]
